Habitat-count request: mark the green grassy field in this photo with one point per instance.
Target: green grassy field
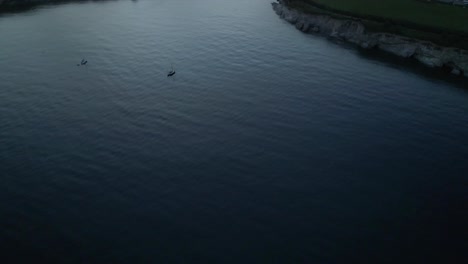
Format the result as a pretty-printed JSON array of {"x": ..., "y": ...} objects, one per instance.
[{"x": 429, "y": 14}]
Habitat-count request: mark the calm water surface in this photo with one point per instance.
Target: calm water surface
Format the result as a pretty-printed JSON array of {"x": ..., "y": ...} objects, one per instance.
[{"x": 267, "y": 146}]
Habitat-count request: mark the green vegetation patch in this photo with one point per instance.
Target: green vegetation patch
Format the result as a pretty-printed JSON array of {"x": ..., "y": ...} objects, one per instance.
[{"x": 418, "y": 12}]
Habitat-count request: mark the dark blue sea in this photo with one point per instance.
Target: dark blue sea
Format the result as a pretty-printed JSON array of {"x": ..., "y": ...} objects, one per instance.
[{"x": 267, "y": 146}]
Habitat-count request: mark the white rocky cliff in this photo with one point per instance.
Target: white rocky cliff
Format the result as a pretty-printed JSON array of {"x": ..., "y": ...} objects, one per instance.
[{"x": 354, "y": 31}]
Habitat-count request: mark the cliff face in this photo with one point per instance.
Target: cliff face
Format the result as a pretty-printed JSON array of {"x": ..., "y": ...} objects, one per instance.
[{"x": 353, "y": 31}]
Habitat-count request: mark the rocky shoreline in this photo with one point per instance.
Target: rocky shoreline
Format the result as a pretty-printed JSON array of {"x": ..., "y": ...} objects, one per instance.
[
  {"x": 454, "y": 60},
  {"x": 12, "y": 5},
  {"x": 17, "y": 3}
]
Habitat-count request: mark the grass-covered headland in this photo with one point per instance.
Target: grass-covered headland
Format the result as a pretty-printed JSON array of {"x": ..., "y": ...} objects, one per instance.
[{"x": 428, "y": 20}]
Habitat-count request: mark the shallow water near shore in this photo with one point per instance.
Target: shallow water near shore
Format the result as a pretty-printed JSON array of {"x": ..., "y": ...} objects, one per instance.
[{"x": 267, "y": 146}]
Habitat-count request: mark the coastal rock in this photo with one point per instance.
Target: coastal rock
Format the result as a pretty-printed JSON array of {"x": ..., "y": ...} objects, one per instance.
[
  {"x": 430, "y": 55},
  {"x": 353, "y": 31},
  {"x": 291, "y": 16},
  {"x": 302, "y": 24},
  {"x": 396, "y": 45},
  {"x": 456, "y": 71}
]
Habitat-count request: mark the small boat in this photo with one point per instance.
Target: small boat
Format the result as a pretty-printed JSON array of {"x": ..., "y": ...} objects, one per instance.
[
  {"x": 171, "y": 72},
  {"x": 83, "y": 62}
]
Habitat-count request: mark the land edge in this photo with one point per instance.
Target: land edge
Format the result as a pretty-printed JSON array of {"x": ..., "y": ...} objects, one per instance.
[
  {"x": 12, "y": 6},
  {"x": 453, "y": 60}
]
